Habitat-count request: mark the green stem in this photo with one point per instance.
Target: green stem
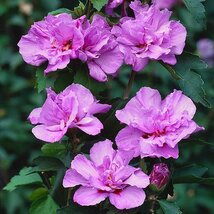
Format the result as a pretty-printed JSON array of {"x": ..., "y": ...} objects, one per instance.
[
  {"x": 88, "y": 8},
  {"x": 129, "y": 86}
]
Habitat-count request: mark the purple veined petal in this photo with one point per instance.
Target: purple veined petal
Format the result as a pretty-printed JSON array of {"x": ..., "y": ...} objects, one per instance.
[
  {"x": 169, "y": 59},
  {"x": 99, "y": 108},
  {"x": 139, "y": 63},
  {"x": 34, "y": 116},
  {"x": 178, "y": 36},
  {"x": 70, "y": 106},
  {"x": 51, "y": 114},
  {"x": 183, "y": 132},
  {"x": 96, "y": 71},
  {"x": 84, "y": 167},
  {"x": 84, "y": 97},
  {"x": 100, "y": 150},
  {"x": 131, "y": 114},
  {"x": 124, "y": 156},
  {"x": 138, "y": 179},
  {"x": 124, "y": 172},
  {"x": 90, "y": 125},
  {"x": 180, "y": 104},
  {"x": 89, "y": 196},
  {"x": 147, "y": 149},
  {"x": 30, "y": 55},
  {"x": 44, "y": 133},
  {"x": 98, "y": 184},
  {"x": 61, "y": 63},
  {"x": 127, "y": 198},
  {"x": 110, "y": 61},
  {"x": 72, "y": 178},
  {"x": 128, "y": 139},
  {"x": 149, "y": 98}
]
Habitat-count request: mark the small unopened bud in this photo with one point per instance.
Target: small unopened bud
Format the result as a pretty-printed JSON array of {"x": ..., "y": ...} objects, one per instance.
[{"x": 159, "y": 176}]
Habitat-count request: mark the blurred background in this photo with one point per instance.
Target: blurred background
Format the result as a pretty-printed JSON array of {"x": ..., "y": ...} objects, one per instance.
[{"x": 18, "y": 97}]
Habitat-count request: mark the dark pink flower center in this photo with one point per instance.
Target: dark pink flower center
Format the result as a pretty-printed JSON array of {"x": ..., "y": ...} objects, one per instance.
[{"x": 67, "y": 46}]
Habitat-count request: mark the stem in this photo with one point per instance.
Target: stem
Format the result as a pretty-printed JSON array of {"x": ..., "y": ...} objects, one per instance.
[
  {"x": 45, "y": 180},
  {"x": 152, "y": 208},
  {"x": 88, "y": 8},
  {"x": 69, "y": 196},
  {"x": 129, "y": 86}
]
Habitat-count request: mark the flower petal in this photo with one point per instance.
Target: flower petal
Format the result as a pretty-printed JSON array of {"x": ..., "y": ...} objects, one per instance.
[
  {"x": 128, "y": 198},
  {"x": 34, "y": 116},
  {"x": 73, "y": 178},
  {"x": 100, "y": 150},
  {"x": 87, "y": 196},
  {"x": 138, "y": 179},
  {"x": 90, "y": 125},
  {"x": 84, "y": 167},
  {"x": 44, "y": 133}
]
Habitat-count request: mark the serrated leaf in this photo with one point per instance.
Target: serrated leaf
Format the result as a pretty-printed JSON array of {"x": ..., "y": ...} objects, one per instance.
[
  {"x": 40, "y": 80},
  {"x": 82, "y": 77},
  {"x": 98, "y": 4},
  {"x": 185, "y": 174},
  {"x": 44, "y": 205},
  {"x": 38, "y": 193},
  {"x": 110, "y": 122},
  {"x": 74, "y": 208},
  {"x": 47, "y": 164},
  {"x": 191, "y": 82},
  {"x": 79, "y": 10},
  {"x": 169, "y": 208},
  {"x": 59, "y": 11},
  {"x": 196, "y": 8},
  {"x": 54, "y": 149},
  {"x": 191, "y": 174},
  {"x": 24, "y": 178}
]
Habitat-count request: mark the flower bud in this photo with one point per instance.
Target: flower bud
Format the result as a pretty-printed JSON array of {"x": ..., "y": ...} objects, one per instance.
[{"x": 159, "y": 176}]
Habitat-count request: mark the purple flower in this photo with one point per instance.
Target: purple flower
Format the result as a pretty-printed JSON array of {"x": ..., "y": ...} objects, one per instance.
[
  {"x": 56, "y": 39},
  {"x": 100, "y": 50},
  {"x": 151, "y": 35},
  {"x": 106, "y": 174},
  {"x": 206, "y": 50},
  {"x": 165, "y": 3},
  {"x": 154, "y": 126},
  {"x": 73, "y": 108},
  {"x": 159, "y": 176}
]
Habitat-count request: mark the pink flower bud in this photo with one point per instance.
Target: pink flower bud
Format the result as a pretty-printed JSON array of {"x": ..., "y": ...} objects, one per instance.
[{"x": 159, "y": 176}]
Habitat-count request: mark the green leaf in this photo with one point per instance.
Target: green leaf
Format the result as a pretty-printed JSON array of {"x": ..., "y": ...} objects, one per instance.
[
  {"x": 98, "y": 4},
  {"x": 38, "y": 193},
  {"x": 40, "y": 80},
  {"x": 63, "y": 81},
  {"x": 44, "y": 205},
  {"x": 74, "y": 208},
  {"x": 24, "y": 178},
  {"x": 59, "y": 11},
  {"x": 169, "y": 208},
  {"x": 196, "y": 8},
  {"x": 47, "y": 164},
  {"x": 192, "y": 174},
  {"x": 190, "y": 82},
  {"x": 188, "y": 173},
  {"x": 110, "y": 122},
  {"x": 82, "y": 77},
  {"x": 79, "y": 10},
  {"x": 54, "y": 149}
]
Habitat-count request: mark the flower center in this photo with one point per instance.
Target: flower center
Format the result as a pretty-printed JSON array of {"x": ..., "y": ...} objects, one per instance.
[
  {"x": 67, "y": 46},
  {"x": 157, "y": 133}
]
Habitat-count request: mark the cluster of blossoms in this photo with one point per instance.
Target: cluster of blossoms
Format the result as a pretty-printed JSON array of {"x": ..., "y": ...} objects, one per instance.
[
  {"x": 134, "y": 41},
  {"x": 154, "y": 127}
]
